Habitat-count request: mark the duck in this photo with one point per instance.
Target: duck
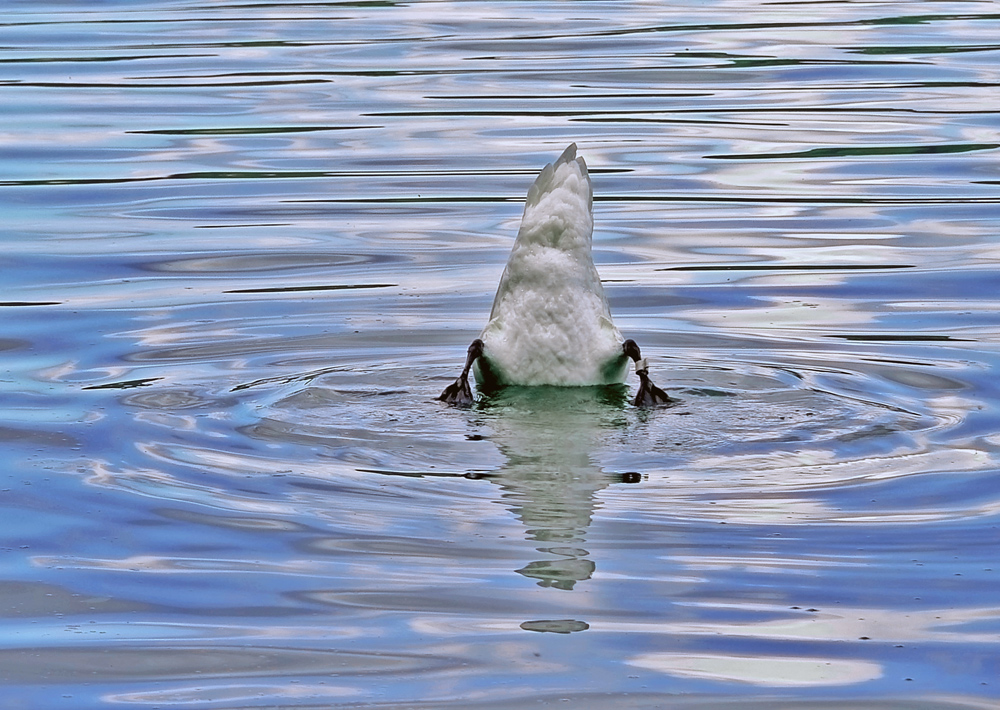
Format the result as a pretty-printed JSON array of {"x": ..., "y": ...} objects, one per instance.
[{"x": 551, "y": 323}]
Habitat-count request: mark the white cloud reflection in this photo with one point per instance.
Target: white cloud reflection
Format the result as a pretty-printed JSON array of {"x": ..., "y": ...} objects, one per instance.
[{"x": 770, "y": 671}]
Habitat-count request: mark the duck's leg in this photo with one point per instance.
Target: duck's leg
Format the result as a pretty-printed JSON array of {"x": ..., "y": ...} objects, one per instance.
[
  {"x": 459, "y": 392},
  {"x": 649, "y": 394}
]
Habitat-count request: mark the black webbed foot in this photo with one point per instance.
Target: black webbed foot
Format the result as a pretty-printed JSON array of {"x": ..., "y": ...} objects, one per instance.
[
  {"x": 649, "y": 395},
  {"x": 459, "y": 391}
]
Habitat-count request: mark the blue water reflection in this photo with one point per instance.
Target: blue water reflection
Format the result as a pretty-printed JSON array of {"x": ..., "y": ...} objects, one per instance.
[{"x": 245, "y": 246}]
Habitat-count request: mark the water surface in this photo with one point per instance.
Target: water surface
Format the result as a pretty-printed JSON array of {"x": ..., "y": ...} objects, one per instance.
[{"x": 246, "y": 245}]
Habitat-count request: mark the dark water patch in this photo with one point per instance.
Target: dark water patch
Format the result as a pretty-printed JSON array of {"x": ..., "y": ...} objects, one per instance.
[
  {"x": 293, "y": 289},
  {"x": 196, "y": 82},
  {"x": 905, "y": 19},
  {"x": 925, "y": 49},
  {"x": 862, "y": 151},
  {"x": 240, "y": 226},
  {"x": 125, "y": 384},
  {"x": 37, "y": 437},
  {"x": 165, "y": 661},
  {"x": 787, "y": 267},
  {"x": 707, "y": 392},
  {"x": 579, "y": 96},
  {"x": 902, "y": 337},
  {"x": 7, "y": 344},
  {"x": 102, "y": 59},
  {"x": 32, "y": 600},
  {"x": 471, "y": 475}
]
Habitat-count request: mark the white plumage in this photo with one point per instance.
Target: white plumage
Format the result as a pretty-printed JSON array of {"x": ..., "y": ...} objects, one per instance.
[{"x": 551, "y": 323}]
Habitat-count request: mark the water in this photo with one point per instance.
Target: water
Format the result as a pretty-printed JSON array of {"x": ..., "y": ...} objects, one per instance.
[{"x": 245, "y": 245}]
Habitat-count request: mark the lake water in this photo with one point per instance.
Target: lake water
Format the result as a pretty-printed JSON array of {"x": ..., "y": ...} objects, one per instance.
[{"x": 245, "y": 245}]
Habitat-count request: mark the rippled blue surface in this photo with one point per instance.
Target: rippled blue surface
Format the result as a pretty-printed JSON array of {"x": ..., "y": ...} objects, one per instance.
[{"x": 245, "y": 245}]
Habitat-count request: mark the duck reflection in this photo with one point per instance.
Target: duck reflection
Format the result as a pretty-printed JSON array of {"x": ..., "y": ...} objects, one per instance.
[{"x": 550, "y": 479}]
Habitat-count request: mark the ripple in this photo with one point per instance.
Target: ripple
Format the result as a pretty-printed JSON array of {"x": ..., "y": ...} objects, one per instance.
[
  {"x": 750, "y": 406},
  {"x": 296, "y": 289},
  {"x": 257, "y": 262},
  {"x": 251, "y": 694},
  {"x": 171, "y": 399},
  {"x": 161, "y": 565},
  {"x": 165, "y": 662}
]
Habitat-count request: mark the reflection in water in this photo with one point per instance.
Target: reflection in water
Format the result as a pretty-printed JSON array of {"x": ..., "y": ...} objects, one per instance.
[
  {"x": 242, "y": 252},
  {"x": 770, "y": 671},
  {"x": 556, "y": 626},
  {"x": 548, "y": 435}
]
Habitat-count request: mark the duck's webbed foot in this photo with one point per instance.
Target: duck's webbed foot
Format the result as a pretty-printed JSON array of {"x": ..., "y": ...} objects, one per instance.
[
  {"x": 459, "y": 391},
  {"x": 649, "y": 395}
]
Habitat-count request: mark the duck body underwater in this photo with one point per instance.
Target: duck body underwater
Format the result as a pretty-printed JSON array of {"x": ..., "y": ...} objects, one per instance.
[{"x": 551, "y": 323}]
